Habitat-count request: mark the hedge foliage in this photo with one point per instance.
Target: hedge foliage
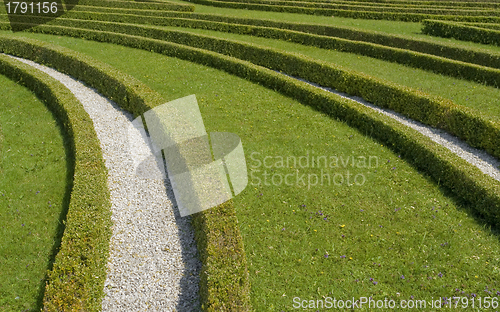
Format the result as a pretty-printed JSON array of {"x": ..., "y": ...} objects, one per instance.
[
  {"x": 400, "y": 15},
  {"x": 460, "y": 31},
  {"x": 164, "y": 5},
  {"x": 236, "y": 25},
  {"x": 465, "y": 181},
  {"x": 457, "y": 69},
  {"x": 77, "y": 279},
  {"x": 224, "y": 277},
  {"x": 476, "y": 129}
]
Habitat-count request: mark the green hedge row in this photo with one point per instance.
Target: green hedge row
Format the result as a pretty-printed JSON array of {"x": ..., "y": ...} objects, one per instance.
[
  {"x": 433, "y": 10},
  {"x": 477, "y": 129},
  {"x": 473, "y": 56},
  {"x": 484, "y": 25},
  {"x": 432, "y": 63},
  {"x": 465, "y": 181},
  {"x": 77, "y": 279},
  {"x": 224, "y": 275},
  {"x": 410, "y": 3},
  {"x": 393, "y": 16},
  {"x": 166, "y": 6},
  {"x": 461, "y": 32}
]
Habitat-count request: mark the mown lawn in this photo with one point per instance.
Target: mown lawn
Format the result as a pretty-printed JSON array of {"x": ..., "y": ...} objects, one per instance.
[{"x": 34, "y": 194}]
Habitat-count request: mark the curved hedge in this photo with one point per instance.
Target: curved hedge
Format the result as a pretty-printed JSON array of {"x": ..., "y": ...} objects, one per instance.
[
  {"x": 474, "y": 127},
  {"x": 164, "y": 5},
  {"x": 440, "y": 65},
  {"x": 351, "y": 13},
  {"x": 237, "y": 25},
  {"x": 461, "y": 32},
  {"x": 77, "y": 279},
  {"x": 224, "y": 282},
  {"x": 465, "y": 181}
]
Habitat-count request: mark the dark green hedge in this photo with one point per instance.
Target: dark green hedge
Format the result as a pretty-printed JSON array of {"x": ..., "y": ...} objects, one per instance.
[
  {"x": 224, "y": 280},
  {"x": 432, "y": 63},
  {"x": 382, "y": 8},
  {"x": 465, "y": 181},
  {"x": 431, "y": 110},
  {"x": 166, "y": 6},
  {"x": 351, "y": 13},
  {"x": 77, "y": 279},
  {"x": 236, "y": 25},
  {"x": 460, "y": 32}
]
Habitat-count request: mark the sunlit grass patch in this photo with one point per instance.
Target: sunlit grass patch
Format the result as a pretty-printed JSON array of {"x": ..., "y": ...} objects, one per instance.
[{"x": 33, "y": 187}]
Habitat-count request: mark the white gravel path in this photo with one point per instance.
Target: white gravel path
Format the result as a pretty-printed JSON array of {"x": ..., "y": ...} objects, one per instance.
[
  {"x": 152, "y": 264},
  {"x": 485, "y": 162}
]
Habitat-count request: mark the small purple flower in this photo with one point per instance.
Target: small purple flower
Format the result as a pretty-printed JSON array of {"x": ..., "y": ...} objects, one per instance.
[
  {"x": 324, "y": 218},
  {"x": 283, "y": 229},
  {"x": 326, "y": 256},
  {"x": 440, "y": 274},
  {"x": 473, "y": 295},
  {"x": 303, "y": 205},
  {"x": 342, "y": 256},
  {"x": 388, "y": 161},
  {"x": 343, "y": 235},
  {"x": 399, "y": 156},
  {"x": 371, "y": 279},
  {"x": 393, "y": 168},
  {"x": 498, "y": 293},
  {"x": 375, "y": 283},
  {"x": 412, "y": 297},
  {"x": 38, "y": 192},
  {"x": 402, "y": 277},
  {"x": 380, "y": 225},
  {"x": 22, "y": 224},
  {"x": 361, "y": 210}
]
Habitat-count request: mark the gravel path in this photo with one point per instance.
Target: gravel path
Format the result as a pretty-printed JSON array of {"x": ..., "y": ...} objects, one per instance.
[
  {"x": 152, "y": 264},
  {"x": 485, "y": 162}
]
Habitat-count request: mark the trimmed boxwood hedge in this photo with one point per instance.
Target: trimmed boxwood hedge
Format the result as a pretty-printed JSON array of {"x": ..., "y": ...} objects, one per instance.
[
  {"x": 476, "y": 128},
  {"x": 77, "y": 279},
  {"x": 465, "y": 181},
  {"x": 424, "y": 61},
  {"x": 350, "y": 13},
  {"x": 164, "y": 5},
  {"x": 226, "y": 23},
  {"x": 224, "y": 282},
  {"x": 460, "y": 32}
]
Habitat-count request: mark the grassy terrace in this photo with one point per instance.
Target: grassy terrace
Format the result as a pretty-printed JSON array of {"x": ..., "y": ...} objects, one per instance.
[
  {"x": 34, "y": 194},
  {"x": 380, "y": 228}
]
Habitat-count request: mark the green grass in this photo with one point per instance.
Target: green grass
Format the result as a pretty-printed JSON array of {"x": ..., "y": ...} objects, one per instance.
[
  {"x": 396, "y": 223},
  {"x": 466, "y": 93},
  {"x": 33, "y": 196}
]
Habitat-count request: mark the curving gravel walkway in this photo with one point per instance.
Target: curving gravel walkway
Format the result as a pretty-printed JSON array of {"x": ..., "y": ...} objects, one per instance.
[
  {"x": 485, "y": 162},
  {"x": 152, "y": 264}
]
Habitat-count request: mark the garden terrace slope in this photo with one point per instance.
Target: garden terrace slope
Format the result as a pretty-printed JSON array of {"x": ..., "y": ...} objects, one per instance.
[
  {"x": 463, "y": 180},
  {"x": 475, "y": 128}
]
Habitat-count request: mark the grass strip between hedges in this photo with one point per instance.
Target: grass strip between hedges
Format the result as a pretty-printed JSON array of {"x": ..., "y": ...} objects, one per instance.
[
  {"x": 475, "y": 128},
  {"x": 465, "y": 181},
  {"x": 77, "y": 279},
  {"x": 224, "y": 282}
]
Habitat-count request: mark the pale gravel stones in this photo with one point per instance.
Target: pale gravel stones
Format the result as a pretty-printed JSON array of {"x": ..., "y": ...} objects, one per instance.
[
  {"x": 488, "y": 164},
  {"x": 152, "y": 264}
]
